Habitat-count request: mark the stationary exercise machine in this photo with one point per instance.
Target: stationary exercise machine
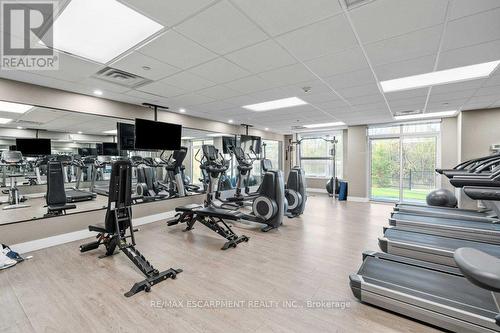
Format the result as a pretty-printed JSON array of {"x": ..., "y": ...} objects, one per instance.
[
  {"x": 56, "y": 199},
  {"x": 112, "y": 233},
  {"x": 74, "y": 194},
  {"x": 13, "y": 159}
]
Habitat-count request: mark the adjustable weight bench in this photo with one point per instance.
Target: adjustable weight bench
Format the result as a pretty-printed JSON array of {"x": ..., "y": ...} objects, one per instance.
[
  {"x": 211, "y": 217},
  {"x": 112, "y": 233}
]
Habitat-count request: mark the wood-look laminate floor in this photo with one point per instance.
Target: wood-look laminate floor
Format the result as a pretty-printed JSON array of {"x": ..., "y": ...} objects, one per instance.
[{"x": 309, "y": 258}]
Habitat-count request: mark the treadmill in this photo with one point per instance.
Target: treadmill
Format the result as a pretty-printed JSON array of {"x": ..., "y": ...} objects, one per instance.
[
  {"x": 74, "y": 194},
  {"x": 436, "y": 294}
]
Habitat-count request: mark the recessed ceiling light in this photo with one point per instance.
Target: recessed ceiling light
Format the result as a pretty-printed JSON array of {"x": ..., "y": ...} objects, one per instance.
[
  {"x": 441, "y": 114},
  {"x": 14, "y": 107},
  {"x": 266, "y": 129},
  {"x": 276, "y": 104},
  {"x": 98, "y": 92},
  {"x": 19, "y": 127},
  {"x": 440, "y": 77},
  {"x": 79, "y": 132},
  {"x": 146, "y": 68},
  {"x": 230, "y": 121},
  {"x": 187, "y": 138},
  {"x": 182, "y": 110},
  {"x": 111, "y": 132},
  {"x": 100, "y": 30},
  {"x": 5, "y": 120},
  {"x": 338, "y": 123}
]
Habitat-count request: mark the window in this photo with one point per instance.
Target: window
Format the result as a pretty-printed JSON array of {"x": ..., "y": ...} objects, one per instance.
[
  {"x": 402, "y": 161},
  {"x": 316, "y": 154}
]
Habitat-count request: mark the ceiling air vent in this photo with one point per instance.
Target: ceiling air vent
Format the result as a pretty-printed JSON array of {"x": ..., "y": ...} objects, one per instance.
[
  {"x": 350, "y": 4},
  {"x": 298, "y": 127},
  {"x": 121, "y": 78},
  {"x": 407, "y": 112}
]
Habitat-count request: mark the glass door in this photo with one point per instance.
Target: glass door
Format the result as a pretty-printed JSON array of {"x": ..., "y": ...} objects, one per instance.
[
  {"x": 385, "y": 168},
  {"x": 418, "y": 167}
]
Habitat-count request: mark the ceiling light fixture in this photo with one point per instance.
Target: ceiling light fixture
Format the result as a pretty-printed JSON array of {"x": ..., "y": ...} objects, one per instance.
[
  {"x": 5, "y": 120},
  {"x": 338, "y": 123},
  {"x": 276, "y": 104},
  {"x": 452, "y": 75},
  {"x": 19, "y": 127},
  {"x": 266, "y": 129},
  {"x": 214, "y": 135},
  {"x": 441, "y": 114},
  {"x": 187, "y": 138},
  {"x": 14, "y": 107},
  {"x": 230, "y": 121},
  {"x": 111, "y": 132},
  {"x": 98, "y": 92},
  {"x": 108, "y": 27},
  {"x": 182, "y": 110},
  {"x": 79, "y": 132}
]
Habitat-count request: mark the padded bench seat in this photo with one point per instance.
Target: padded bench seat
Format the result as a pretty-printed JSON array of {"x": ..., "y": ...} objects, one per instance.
[
  {"x": 100, "y": 228},
  {"x": 188, "y": 208},
  {"x": 224, "y": 214},
  {"x": 60, "y": 208}
]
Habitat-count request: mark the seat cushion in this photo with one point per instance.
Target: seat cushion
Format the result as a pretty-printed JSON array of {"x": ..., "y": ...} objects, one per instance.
[
  {"x": 54, "y": 208},
  {"x": 188, "y": 208},
  {"x": 224, "y": 214}
]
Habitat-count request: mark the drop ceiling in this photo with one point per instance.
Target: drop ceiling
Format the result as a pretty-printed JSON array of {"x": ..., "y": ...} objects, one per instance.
[{"x": 215, "y": 56}]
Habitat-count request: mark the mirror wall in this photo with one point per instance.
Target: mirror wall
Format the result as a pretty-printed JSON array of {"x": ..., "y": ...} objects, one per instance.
[{"x": 84, "y": 144}]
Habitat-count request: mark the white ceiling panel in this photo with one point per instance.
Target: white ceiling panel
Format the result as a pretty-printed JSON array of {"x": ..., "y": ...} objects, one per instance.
[
  {"x": 460, "y": 86},
  {"x": 454, "y": 95},
  {"x": 487, "y": 91},
  {"x": 367, "y": 99},
  {"x": 279, "y": 16},
  {"x": 220, "y": 70},
  {"x": 187, "y": 81},
  {"x": 328, "y": 36},
  {"x": 481, "y": 101},
  {"x": 167, "y": 12},
  {"x": 261, "y": 57},
  {"x": 407, "y": 94},
  {"x": 222, "y": 29},
  {"x": 321, "y": 98},
  {"x": 219, "y": 92},
  {"x": 351, "y": 79},
  {"x": 405, "y": 68},
  {"x": 176, "y": 50},
  {"x": 137, "y": 63},
  {"x": 249, "y": 84},
  {"x": 214, "y": 107},
  {"x": 337, "y": 63},
  {"x": 470, "y": 55},
  {"x": 412, "y": 45},
  {"x": 466, "y": 7},
  {"x": 190, "y": 99},
  {"x": 103, "y": 85},
  {"x": 417, "y": 100},
  {"x": 71, "y": 69},
  {"x": 470, "y": 30},
  {"x": 446, "y": 106},
  {"x": 383, "y": 19},
  {"x": 364, "y": 90},
  {"x": 287, "y": 75},
  {"x": 494, "y": 80},
  {"x": 161, "y": 89}
]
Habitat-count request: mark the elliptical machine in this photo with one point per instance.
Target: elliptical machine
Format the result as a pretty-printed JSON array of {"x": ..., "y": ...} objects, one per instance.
[{"x": 295, "y": 190}]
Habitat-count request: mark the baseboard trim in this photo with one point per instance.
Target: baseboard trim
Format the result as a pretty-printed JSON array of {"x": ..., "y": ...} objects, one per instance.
[
  {"x": 43, "y": 243},
  {"x": 357, "y": 199}
]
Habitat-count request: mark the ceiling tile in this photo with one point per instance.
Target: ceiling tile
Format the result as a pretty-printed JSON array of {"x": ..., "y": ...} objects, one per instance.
[
  {"x": 221, "y": 28},
  {"x": 161, "y": 89},
  {"x": 190, "y": 99},
  {"x": 367, "y": 100},
  {"x": 176, "y": 50},
  {"x": 449, "y": 96},
  {"x": 407, "y": 94},
  {"x": 278, "y": 16},
  {"x": 94, "y": 84},
  {"x": 405, "y": 68},
  {"x": 321, "y": 98},
  {"x": 167, "y": 12},
  {"x": 446, "y": 106},
  {"x": 249, "y": 84},
  {"x": 383, "y": 19},
  {"x": 337, "y": 63},
  {"x": 135, "y": 61},
  {"x": 261, "y": 57},
  {"x": 71, "y": 69},
  {"x": 219, "y": 92},
  {"x": 480, "y": 102},
  {"x": 459, "y": 86},
  {"x": 466, "y": 7},
  {"x": 287, "y": 75},
  {"x": 328, "y": 36},
  {"x": 214, "y": 107},
  {"x": 364, "y": 90},
  {"x": 187, "y": 81},
  {"x": 470, "y": 30},
  {"x": 494, "y": 80},
  {"x": 470, "y": 55},
  {"x": 487, "y": 91},
  {"x": 351, "y": 79},
  {"x": 219, "y": 70},
  {"x": 412, "y": 45}
]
